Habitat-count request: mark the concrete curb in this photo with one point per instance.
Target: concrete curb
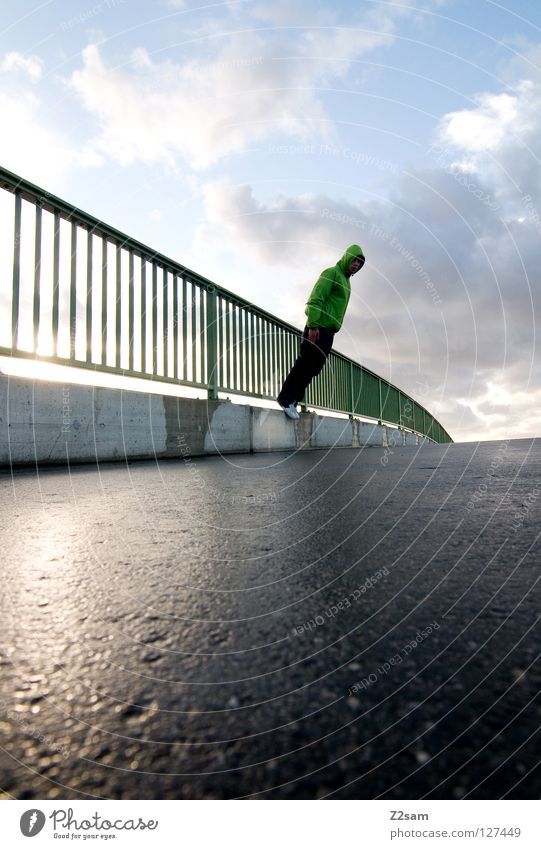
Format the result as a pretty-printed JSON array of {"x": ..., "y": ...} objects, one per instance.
[{"x": 52, "y": 423}]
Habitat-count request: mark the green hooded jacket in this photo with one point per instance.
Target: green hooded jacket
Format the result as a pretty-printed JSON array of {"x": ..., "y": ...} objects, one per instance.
[{"x": 328, "y": 301}]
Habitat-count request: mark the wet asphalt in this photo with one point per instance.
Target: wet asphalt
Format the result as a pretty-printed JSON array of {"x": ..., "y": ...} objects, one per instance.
[{"x": 342, "y": 624}]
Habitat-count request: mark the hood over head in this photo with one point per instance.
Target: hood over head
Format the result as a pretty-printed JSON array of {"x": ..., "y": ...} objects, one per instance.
[{"x": 351, "y": 253}]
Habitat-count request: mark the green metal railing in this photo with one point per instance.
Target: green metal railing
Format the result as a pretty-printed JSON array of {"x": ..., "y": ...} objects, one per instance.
[{"x": 84, "y": 294}]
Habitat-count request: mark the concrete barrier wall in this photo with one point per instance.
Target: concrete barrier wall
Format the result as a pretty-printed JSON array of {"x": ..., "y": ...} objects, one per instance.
[
  {"x": 372, "y": 434},
  {"x": 395, "y": 437},
  {"x": 42, "y": 422}
]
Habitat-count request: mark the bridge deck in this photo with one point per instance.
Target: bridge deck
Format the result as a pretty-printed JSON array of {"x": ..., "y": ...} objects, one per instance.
[{"x": 354, "y": 623}]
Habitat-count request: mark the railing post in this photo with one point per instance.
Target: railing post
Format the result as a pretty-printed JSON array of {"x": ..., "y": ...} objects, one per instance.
[
  {"x": 37, "y": 278},
  {"x": 143, "y": 313},
  {"x": 304, "y": 403},
  {"x": 212, "y": 345},
  {"x": 88, "y": 304},
  {"x": 131, "y": 313},
  {"x": 351, "y": 391},
  {"x": 16, "y": 273},
  {"x": 103, "y": 327},
  {"x": 73, "y": 290},
  {"x": 154, "y": 316},
  {"x": 118, "y": 306},
  {"x": 55, "y": 318}
]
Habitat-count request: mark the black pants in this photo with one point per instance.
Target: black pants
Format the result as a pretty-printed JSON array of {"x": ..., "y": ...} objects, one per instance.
[{"x": 312, "y": 357}]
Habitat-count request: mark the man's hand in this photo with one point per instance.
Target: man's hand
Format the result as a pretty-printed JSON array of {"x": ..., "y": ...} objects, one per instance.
[{"x": 313, "y": 335}]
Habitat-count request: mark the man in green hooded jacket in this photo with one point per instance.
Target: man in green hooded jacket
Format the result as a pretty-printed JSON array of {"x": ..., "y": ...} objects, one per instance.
[{"x": 325, "y": 312}]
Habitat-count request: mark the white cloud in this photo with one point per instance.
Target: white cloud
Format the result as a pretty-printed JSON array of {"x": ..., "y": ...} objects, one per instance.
[
  {"x": 503, "y": 410},
  {"x": 483, "y": 128},
  {"x": 30, "y": 143},
  {"x": 32, "y": 148},
  {"x": 257, "y": 85},
  {"x": 27, "y": 147},
  {"x": 202, "y": 112},
  {"x": 30, "y": 65},
  {"x": 500, "y": 139}
]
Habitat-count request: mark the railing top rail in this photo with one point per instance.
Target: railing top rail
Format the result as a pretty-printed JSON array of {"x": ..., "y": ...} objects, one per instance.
[{"x": 50, "y": 202}]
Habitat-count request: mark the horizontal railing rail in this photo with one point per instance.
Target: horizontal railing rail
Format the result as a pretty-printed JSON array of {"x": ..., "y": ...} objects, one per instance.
[{"x": 84, "y": 294}]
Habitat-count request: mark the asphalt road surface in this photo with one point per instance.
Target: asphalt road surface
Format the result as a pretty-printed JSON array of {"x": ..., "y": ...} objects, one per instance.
[{"x": 344, "y": 624}]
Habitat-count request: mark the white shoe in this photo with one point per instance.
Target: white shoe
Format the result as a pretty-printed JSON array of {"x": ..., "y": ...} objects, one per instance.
[{"x": 291, "y": 411}]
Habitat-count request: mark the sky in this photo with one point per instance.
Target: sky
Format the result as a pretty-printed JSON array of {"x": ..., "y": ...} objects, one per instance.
[{"x": 253, "y": 141}]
